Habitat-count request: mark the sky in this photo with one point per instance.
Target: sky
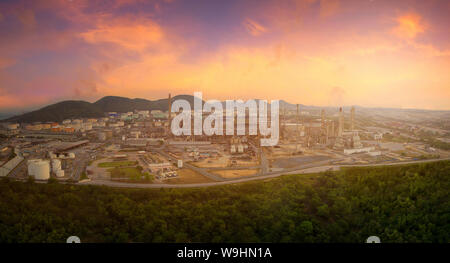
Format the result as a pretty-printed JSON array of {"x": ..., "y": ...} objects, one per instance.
[{"x": 373, "y": 53}]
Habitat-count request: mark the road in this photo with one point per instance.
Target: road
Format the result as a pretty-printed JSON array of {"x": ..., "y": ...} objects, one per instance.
[
  {"x": 79, "y": 165},
  {"x": 249, "y": 178}
]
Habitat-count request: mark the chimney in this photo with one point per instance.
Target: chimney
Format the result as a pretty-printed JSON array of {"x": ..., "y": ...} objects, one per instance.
[{"x": 170, "y": 108}]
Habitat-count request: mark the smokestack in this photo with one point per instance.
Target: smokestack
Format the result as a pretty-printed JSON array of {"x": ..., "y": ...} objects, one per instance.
[
  {"x": 298, "y": 117},
  {"x": 333, "y": 133},
  {"x": 341, "y": 122},
  {"x": 170, "y": 107},
  {"x": 322, "y": 113},
  {"x": 352, "y": 119}
]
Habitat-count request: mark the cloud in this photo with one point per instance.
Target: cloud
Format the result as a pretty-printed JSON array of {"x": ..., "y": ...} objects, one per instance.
[
  {"x": 130, "y": 35},
  {"x": 329, "y": 7},
  {"x": 91, "y": 49},
  {"x": 27, "y": 18},
  {"x": 409, "y": 26},
  {"x": 253, "y": 27},
  {"x": 5, "y": 63}
]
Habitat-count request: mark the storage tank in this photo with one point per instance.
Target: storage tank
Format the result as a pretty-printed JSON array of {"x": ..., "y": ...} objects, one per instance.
[
  {"x": 30, "y": 163},
  {"x": 71, "y": 155},
  {"x": 76, "y": 126},
  {"x": 56, "y": 165},
  {"x": 40, "y": 169},
  {"x": 60, "y": 173}
]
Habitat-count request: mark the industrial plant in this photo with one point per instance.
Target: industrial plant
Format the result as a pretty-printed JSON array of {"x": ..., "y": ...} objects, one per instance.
[{"x": 139, "y": 147}]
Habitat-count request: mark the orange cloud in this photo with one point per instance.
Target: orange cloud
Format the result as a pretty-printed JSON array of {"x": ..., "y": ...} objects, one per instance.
[
  {"x": 9, "y": 101},
  {"x": 329, "y": 7},
  {"x": 254, "y": 28},
  {"x": 302, "y": 77},
  {"x": 27, "y": 18},
  {"x": 135, "y": 36},
  {"x": 4, "y": 62},
  {"x": 409, "y": 25}
]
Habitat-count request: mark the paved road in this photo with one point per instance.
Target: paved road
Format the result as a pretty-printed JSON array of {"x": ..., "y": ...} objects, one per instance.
[
  {"x": 246, "y": 179},
  {"x": 233, "y": 168},
  {"x": 79, "y": 165}
]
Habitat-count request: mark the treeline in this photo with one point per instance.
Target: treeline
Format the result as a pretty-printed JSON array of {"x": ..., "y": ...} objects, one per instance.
[{"x": 397, "y": 203}]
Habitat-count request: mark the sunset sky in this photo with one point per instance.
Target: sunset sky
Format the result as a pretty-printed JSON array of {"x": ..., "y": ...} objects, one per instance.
[{"x": 375, "y": 53}]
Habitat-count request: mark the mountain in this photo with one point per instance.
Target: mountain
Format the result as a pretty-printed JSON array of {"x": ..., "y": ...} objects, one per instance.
[
  {"x": 122, "y": 104},
  {"x": 81, "y": 109},
  {"x": 60, "y": 111}
]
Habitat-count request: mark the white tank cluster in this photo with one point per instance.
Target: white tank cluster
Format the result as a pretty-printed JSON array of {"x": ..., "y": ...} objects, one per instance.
[
  {"x": 52, "y": 155},
  {"x": 56, "y": 165},
  {"x": 70, "y": 155},
  {"x": 59, "y": 173},
  {"x": 39, "y": 169}
]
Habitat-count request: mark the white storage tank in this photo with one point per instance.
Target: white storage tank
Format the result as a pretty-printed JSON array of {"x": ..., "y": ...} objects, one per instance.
[
  {"x": 71, "y": 155},
  {"x": 40, "y": 169},
  {"x": 30, "y": 163},
  {"x": 60, "y": 173},
  {"x": 56, "y": 165},
  {"x": 76, "y": 126}
]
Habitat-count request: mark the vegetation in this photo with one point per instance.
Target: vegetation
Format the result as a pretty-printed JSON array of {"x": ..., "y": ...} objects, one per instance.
[
  {"x": 83, "y": 176},
  {"x": 59, "y": 112},
  {"x": 397, "y": 138},
  {"x": 408, "y": 203},
  {"x": 438, "y": 144},
  {"x": 131, "y": 173},
  {"x": 430, "y": 138},
  {"x": 117, "y": 164},
  {"x": 82, "y": 109}
]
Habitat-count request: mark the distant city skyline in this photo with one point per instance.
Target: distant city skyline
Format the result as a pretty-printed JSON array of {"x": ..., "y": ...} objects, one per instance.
[{"x": 393, "y": 54}]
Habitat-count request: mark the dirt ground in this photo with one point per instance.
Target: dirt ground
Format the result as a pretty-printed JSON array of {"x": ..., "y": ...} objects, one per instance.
[
  {"x": 188, "y": 176},
  {"x": 236, "y": 173},
  {"x": 222, "y": 161}
]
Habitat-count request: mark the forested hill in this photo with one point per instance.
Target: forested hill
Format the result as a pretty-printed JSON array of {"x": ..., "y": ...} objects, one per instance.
[
  {"x": 82, "y": 109},
  {"x": 59, "y": 112},
  {"x": 407, "y": 203}
]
